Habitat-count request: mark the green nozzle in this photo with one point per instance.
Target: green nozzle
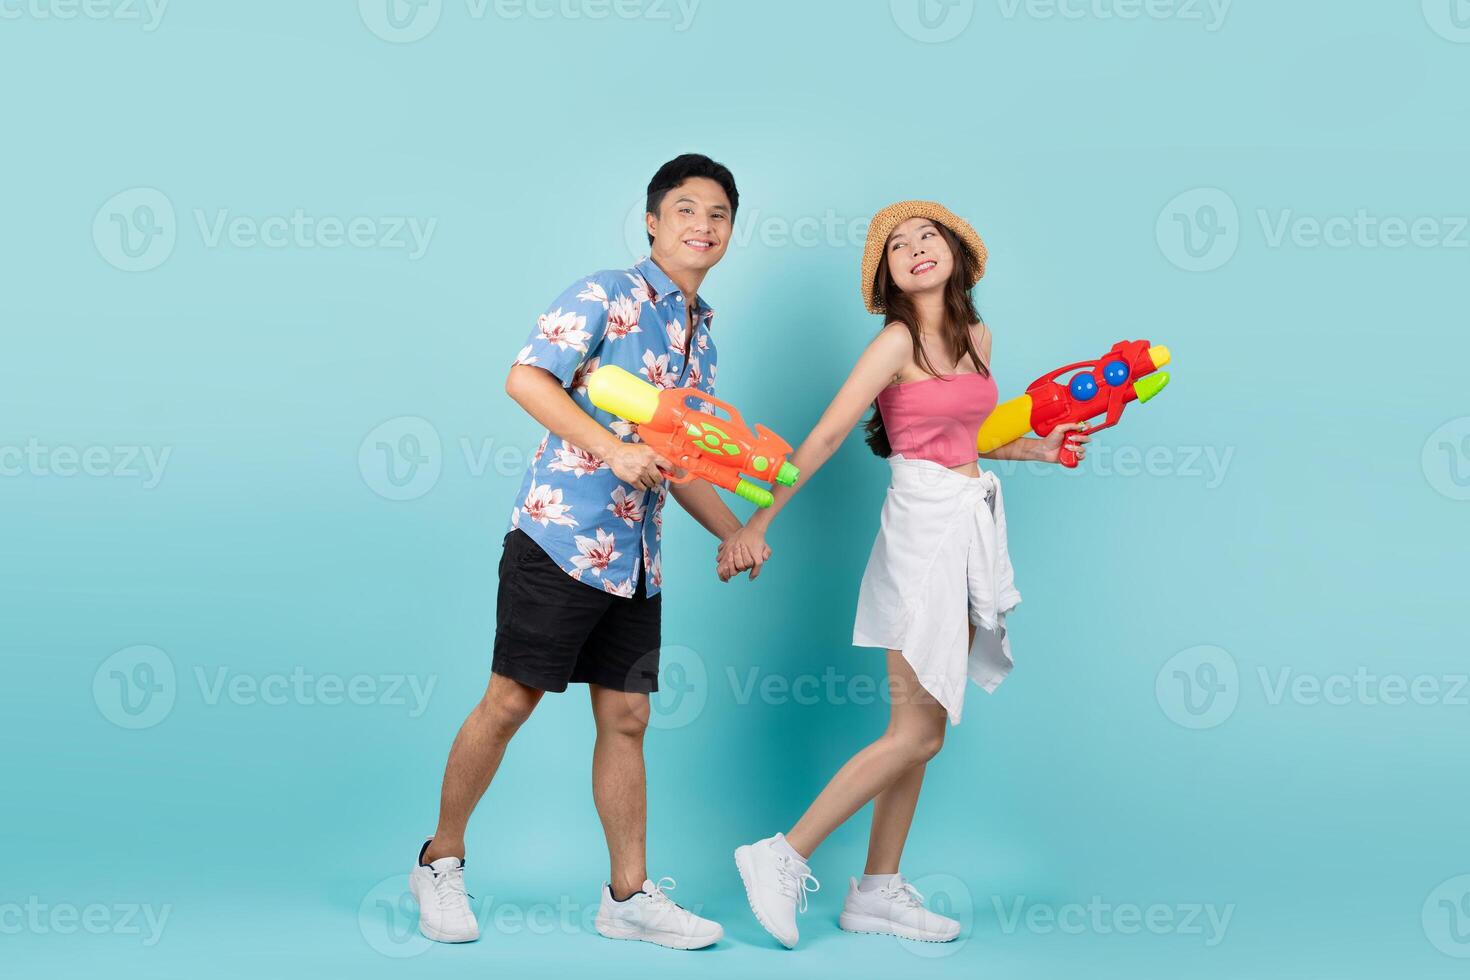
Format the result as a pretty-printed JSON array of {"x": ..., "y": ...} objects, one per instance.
[
  {"x": 787, "y": 474},
  {"x": 757, "y": 495},
  {"x": 1150, "y": 385}
]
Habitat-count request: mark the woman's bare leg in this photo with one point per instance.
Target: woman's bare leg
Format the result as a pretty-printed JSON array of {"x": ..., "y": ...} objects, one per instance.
[
  {"x": 893, "y": 814},
  {"x": 915, "y": 733}
]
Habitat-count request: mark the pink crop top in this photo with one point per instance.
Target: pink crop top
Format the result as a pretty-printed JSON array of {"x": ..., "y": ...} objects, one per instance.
[{"x": 937, "y": 418}]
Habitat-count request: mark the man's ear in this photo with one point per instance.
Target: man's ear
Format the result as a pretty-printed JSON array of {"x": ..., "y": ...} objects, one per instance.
[{"x": 650, "y": 221}]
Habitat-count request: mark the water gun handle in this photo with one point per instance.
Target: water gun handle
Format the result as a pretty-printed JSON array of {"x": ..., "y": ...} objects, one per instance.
[
  {"x": 1068, "y": 457},
  {"x": 729, "y": 409}
]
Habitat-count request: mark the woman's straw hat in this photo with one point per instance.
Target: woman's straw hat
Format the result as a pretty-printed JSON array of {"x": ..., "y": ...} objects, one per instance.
[{"x": 894, "y": 215}]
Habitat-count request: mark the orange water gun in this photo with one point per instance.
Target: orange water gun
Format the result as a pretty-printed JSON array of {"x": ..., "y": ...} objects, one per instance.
[
  {"x": 1106, "y": 384},
  {"x": 696, "y": 441}
]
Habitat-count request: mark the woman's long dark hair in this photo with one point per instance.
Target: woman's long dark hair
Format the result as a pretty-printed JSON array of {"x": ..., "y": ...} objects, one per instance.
[{"x": 959, "y": 313}]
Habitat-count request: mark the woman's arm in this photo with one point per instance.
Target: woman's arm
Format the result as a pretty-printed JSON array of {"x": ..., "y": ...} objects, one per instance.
[
  {"x": 875, "y": 369},
  {"x": 1026, "y": 449},
  {"x": 705, "y": 506},
  {"x": 1048, "y": 450}
]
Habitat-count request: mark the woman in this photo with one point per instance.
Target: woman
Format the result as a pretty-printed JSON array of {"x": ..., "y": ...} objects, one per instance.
[{"x": 938, "y": 583}]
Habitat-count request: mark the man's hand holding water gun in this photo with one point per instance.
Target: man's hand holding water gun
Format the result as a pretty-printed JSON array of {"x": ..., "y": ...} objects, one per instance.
[{"x": 681, "y": 438}]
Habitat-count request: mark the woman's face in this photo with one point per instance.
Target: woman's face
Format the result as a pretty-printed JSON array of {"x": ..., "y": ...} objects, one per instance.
[{"x": 919, "y": 259}]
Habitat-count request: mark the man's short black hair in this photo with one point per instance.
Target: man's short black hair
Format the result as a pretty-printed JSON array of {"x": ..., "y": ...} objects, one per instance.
[{"x": 683, "y": 167}]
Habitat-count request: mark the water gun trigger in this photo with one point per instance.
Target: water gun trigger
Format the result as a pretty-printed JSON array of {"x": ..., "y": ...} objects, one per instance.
[{"x": 679, "y": 474}]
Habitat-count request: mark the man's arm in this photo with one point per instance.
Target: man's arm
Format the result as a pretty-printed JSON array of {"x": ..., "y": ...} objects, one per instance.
[
  {"x": 541, "y": 394},
  {"x": 703, "y": 503}
]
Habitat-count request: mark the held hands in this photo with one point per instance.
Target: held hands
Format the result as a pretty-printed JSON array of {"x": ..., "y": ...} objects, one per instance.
[
  {"x": 742, "y": 550},
  {"x": 1051, "y": 446}
]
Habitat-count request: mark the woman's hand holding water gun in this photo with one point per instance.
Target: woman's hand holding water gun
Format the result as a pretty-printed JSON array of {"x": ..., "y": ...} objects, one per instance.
[{"x": 1051, "y": 445}]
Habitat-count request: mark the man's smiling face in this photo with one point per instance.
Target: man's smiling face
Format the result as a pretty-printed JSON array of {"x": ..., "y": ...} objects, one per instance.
[{"x": 692, "y": 228}]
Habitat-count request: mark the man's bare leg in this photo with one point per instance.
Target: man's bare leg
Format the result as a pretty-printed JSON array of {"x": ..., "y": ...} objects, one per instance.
[
  {"x": 619, "y": 784},
  {"x": 475, "y": 757}
]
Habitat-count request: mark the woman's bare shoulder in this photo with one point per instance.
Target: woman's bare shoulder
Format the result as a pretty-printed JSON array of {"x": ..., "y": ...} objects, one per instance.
[{"x": 895, "y": 346}]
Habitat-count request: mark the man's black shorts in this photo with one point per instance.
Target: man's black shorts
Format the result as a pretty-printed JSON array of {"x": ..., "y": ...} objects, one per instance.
[{"x": 552, "y": 630}]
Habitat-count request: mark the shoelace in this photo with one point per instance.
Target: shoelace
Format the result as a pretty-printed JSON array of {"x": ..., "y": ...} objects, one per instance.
[
  {"x": 794, "y": 884},
  {"x": 658, "y": 897},
  {"x": 449, "y": 888},
  {"x": 907, "y": 894}
]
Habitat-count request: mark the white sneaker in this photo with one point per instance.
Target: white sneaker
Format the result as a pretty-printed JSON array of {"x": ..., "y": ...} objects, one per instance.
[
  {"x": 444, "y": 908},
  {"x": 651, "y": 916},
  {"x": 776, "y": 886},
  {"x": 895, "y": 910}
]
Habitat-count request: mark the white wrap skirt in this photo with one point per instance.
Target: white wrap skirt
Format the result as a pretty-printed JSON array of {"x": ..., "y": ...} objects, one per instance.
[{"x": 940, "y": 563}]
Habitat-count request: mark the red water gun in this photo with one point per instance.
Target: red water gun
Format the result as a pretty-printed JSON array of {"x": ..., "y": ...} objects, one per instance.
[
  {"x": 1107, "y": 384},
  {"x": 704, "y": 446}
]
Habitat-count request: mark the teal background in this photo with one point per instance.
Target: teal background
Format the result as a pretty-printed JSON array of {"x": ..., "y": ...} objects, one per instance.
[{"x": 276, "y": 836}]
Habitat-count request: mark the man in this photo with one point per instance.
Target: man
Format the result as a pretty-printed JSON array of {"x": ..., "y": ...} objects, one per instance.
[{"x": 580, "y": 576}]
